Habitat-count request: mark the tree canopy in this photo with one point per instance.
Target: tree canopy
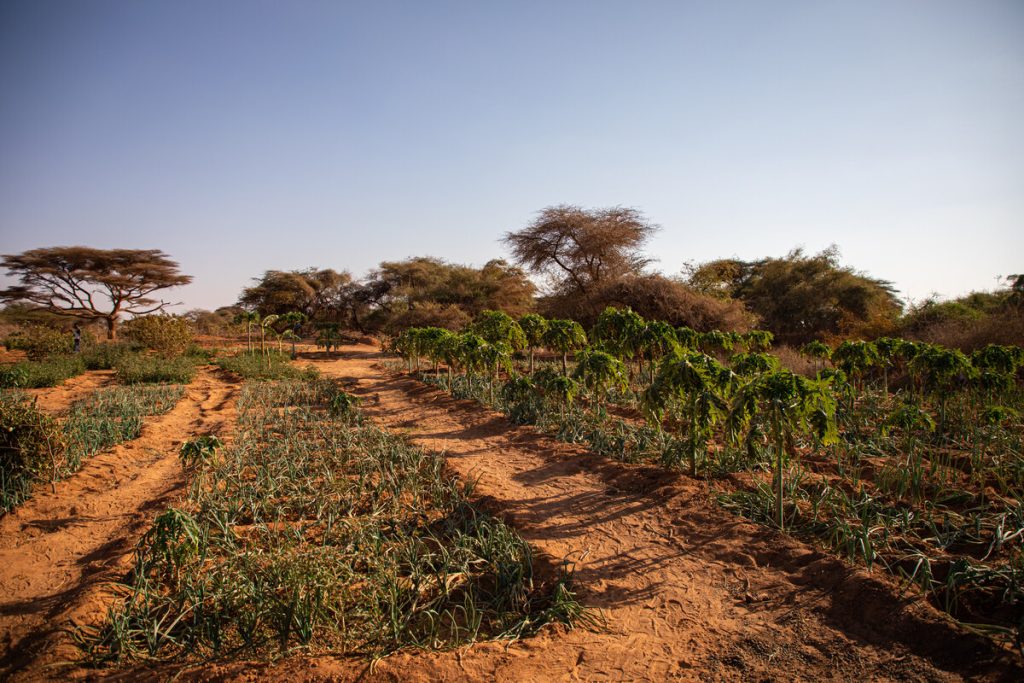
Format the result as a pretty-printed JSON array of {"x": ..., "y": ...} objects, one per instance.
[
  {"x": 578, "y": 249},
  {"x": 318, "y": 293},
  {"x": 406, "y": 293},
  {"x": 801, "y": 297},
  {"x": 92, "y": 284}
]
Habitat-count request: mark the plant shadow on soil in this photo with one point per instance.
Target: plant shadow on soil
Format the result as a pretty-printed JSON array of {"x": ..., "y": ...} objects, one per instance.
[{"x": 868, "y": 609}]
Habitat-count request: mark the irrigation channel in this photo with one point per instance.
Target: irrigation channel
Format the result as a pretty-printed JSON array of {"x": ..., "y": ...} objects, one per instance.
[
  {"x": 689, "y": 591},
  {"x": 60, "y": 551}
]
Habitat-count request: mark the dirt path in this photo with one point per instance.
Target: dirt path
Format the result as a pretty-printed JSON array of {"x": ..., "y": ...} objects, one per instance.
[
  {"x": 689, "y": 591},
  {"x": 59, "y": 550},
  {"x": 59, "y": 398}
]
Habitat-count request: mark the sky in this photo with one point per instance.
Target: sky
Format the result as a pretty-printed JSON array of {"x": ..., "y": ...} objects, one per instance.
[{"x": 245, "y": 136}]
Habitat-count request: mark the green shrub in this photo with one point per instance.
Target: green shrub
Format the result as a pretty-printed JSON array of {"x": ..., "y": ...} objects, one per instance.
[
  {"x": 167, "y": 335},
  {"x": 140, "y": 369},
  {"x": 105, "y": 356},
  {"x": 199, "y": 450},
  {"x": 40, "y": 341},
  {"x": 273, "y": 365},
  {"x": 201, "y": 355},
  {"x": 31, "y": 445},
  {"x": 35, "y": 374}
]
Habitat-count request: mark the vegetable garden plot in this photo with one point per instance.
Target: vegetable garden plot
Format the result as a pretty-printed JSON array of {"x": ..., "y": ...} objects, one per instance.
[
  {"x": 313, "y": 530},
  {"x": 900, "y": 455},
  {"x": 38, "y": 448}
]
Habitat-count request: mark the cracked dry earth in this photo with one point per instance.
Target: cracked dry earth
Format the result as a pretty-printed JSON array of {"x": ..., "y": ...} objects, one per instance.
[
  {"x": 688, "y": 590},
  {"x": 60, "y": 550}
]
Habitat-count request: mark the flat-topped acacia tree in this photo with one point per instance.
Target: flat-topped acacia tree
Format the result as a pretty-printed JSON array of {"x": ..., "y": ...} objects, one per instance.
[{"x": 92, "y": 284}]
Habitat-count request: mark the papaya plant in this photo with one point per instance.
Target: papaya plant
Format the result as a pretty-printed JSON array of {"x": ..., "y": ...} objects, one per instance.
[
  {"x": 565, "y": 336},
  {"x": 791, "y": 405},
  {"x": 690, "y": 379},
  {"x": 751, "y": 363},
  {"x": 856, "y": 358},
  {"x": 941, "y": 372},
  {"x": 819, "y": 351},
  {"x": 758, "y": 341},
  {"x": 618, "y": 332},
  {"x": 498, "y": 327},
  {"x": 533, "y": 326},
  {"x": 600, "y": 371},
  {"x": 657, "y": 340}
]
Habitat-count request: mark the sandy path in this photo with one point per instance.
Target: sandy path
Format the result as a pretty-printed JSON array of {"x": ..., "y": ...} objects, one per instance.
[
  {"x": 689, "y": 591},
  {"x": 58, "y": 399},
  {"x": 58, "y": 550}
]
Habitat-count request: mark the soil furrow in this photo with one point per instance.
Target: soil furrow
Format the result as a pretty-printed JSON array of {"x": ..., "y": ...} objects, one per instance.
[
  {"x": 60, "y": 550},
  {"x": 689, "y": 591},
  {"x": 58, "y": 399}
]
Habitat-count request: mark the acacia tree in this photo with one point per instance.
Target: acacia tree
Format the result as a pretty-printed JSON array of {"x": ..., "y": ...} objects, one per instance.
[
  {"x": 581, "y": 248},
  {"x": 92, "y": 284}
]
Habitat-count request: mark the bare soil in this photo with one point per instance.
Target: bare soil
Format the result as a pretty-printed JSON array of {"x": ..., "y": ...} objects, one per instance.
[
  {"x": 60, "y": 550},
  {"x": 59, "y": 398}
]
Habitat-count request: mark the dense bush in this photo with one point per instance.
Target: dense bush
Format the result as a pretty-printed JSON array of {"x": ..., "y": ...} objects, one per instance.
[
  {"x": 105, "y": 356},
  {"x": 40, "y": 341},
  {"x": 199, "y": 354},
  {"x": 36, "y": 374},
  {"x": 167, "y": 335},
  {"x": 140, "y": 369},
  {"x": 273, "y": 365},
  {"x": 31, "y": 445}
]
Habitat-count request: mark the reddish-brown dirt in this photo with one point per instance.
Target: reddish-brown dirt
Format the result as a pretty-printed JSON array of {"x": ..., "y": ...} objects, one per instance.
[
  {"x": 59, "y": 551},
  {"x": 688, "y": 591},
  {"x": 60, "y": 398}
]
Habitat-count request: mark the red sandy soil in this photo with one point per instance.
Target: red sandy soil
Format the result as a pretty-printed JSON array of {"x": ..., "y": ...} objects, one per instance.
[
  {"x": 59, "y": 551},
  {"x": 689, "y": 591},
  {"x": 59, "y": 398}
]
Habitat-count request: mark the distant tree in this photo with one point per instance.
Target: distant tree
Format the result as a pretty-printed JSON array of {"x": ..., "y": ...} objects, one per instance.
[
  {"x": 425, "y": 291},
  {"x": 800, "y": 298},
  {"x": 92, "y": 284},
  {"x": 316, "y": 293},
  {"x": 655, "y": 297},
  {"x": 578, "y": 249}
]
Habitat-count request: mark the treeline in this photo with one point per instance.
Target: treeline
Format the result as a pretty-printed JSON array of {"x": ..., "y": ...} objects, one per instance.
[
  {"x": 569, "y": 263},
  {"x": 589, "y": 260}
]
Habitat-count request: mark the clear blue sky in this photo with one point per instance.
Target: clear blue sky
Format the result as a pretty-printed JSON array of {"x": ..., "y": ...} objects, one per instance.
[{"x": 244, "y": 136}]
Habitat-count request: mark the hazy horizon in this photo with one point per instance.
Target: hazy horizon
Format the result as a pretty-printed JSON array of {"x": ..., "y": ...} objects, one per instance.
[{"x": 241, "y": 137}]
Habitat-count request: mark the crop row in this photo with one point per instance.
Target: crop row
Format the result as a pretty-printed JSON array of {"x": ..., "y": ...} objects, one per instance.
[
  {"x": 901, "y": 455},
  {"x": 37, "y": 448},
  {"x": 314, "y": 530}
]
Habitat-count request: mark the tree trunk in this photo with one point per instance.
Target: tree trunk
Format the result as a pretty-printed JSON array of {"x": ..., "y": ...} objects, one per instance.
[
  {"x": 112, "y": 328},
  {"x": 565, "y": 364},
  {"x": 531, "y": 360}
]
